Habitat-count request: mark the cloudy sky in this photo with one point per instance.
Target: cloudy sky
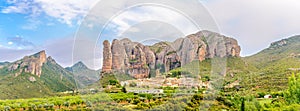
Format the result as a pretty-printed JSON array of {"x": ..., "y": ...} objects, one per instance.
[{"x": 28, "y": 26}]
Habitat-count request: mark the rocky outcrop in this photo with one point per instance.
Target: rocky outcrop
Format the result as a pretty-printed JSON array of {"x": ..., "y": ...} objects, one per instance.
[
  {"x": 32, "y": 79},
  {"x": 128, "y": 57},
  {"x": 199, "y": 46},
  {"x": 30, "y": 64},
  {"x": 278, "y": 44},
  {"x": 107, "y": 57},
  {"x": 138, "y": 60}
]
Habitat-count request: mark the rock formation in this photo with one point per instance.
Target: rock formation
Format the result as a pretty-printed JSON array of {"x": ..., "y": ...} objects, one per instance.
[
  {"x": 30, "y": 64},
  {"x": 137, "y": 60},
  {"x": 278, "y": 44},
  {"x": 107, "y": 57}
]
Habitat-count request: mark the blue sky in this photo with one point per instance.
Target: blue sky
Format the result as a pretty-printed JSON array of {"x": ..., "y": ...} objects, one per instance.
[
  {"x": 31, "y": 29},
  {"x": 28, "y": 26}
]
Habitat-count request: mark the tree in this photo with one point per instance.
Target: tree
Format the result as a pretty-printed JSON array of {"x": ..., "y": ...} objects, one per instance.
[
  {"x": 195, "y": 102},
  {"x": 243, "y": 104},
  {"x": 132, "y": 84},
  {"x": 293, "y": 91},
  {"x": 124, "y": 90},
  {"x": 113, "y": 82}
]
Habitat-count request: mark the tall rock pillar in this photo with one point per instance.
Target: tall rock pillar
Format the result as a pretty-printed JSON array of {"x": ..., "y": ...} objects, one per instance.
[{"x": 107, "y": 57}]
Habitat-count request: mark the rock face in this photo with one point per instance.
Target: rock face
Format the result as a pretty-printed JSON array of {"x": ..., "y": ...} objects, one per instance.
[
  {"x": 278, "y": 44},
  {"x": 125, "y": 56},
  {"x": 137, "y": 60},
  {"x": 30, "y": 64},
  {"x": 107, "y": 57}
]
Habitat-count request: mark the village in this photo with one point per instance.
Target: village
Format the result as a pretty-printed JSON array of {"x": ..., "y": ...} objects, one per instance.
[{"x": 155, "y": 85}]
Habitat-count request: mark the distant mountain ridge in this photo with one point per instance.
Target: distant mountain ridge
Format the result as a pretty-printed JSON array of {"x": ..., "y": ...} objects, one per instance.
[
  {"x": 83, "y": 75},
  {"x": 3, "y": 63}
]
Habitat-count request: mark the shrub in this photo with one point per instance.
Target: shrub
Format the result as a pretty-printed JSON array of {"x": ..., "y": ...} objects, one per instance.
[
  {"x": 88, "y": 104},
  {"x": 132, "y": 84},
  {"x": 292, "y": 94},
  {"x": 7, "y": 108},
  {"x": 66, "y": 104}
]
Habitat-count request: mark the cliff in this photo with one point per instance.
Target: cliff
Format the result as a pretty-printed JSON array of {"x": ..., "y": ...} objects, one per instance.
[
  {"x": 30, "y": 64},
  {"x": 137, "y": 60}
]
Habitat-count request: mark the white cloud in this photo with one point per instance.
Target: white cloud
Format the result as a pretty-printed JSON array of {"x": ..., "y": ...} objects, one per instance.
[
  {"x": 149, "y": 13},
  {"x": 10, "y": 43},
  {"x": 152, "y": 32},
  {"x": 66, "y": 11},
  {"x": 19, "y": 41},
  {"x": 256, "y": 23},
  {"x": 18, "y": 7},
  {"x": 32, "y": 24}
]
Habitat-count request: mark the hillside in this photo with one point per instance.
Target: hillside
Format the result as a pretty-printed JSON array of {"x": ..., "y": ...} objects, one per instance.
[
  {"x": 238, "y": 72},
  {"x": 275, "y": 64},
  {"x": 34, "y": 76},
  {"x": 83, "y": 75},
  {"x": 3, "y": 63},
  {"x": 285, "y": 48}
]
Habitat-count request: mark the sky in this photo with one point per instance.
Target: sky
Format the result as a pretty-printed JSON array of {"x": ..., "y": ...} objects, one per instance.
[{"x": 72, "y": 30}]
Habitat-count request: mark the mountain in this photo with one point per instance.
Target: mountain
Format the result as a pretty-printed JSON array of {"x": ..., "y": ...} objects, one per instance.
[
  {"x": 83, "y": 75},
  {"x": 282, "y": 49},
  {"x": 34, "y": 76},
  {"x": 275, "y": 64},
  {"x": 3, "y": 63},
  {"x": 140, "y": 61}
]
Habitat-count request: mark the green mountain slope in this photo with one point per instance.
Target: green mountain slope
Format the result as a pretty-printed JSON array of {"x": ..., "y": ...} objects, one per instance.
[
  {"x": 57, "y": 78},
  {"x": 20, "y": 87},
  {"x": 237, "y": 71},
  {"x": 18, "y": 82},
  {"x": 285, "y": 48},
  {"x": 83, "y": 75},
  {"x": 275, "y": 64}
]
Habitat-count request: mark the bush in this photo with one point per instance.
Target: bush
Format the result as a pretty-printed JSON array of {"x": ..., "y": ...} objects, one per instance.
[
  {"x": 132, "y": 84},
  {"x": 88, "y": 104},
  {"x": 261, "y": 94},
  {"x": 66, "y": 104},
  {"x": 178, "y": 72},
  {"x": 292, "y": 94},
  {"x": 136, "y": 101},
  {"x": 113, "y": 82},
  {"x": 7, "y": 108}
]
